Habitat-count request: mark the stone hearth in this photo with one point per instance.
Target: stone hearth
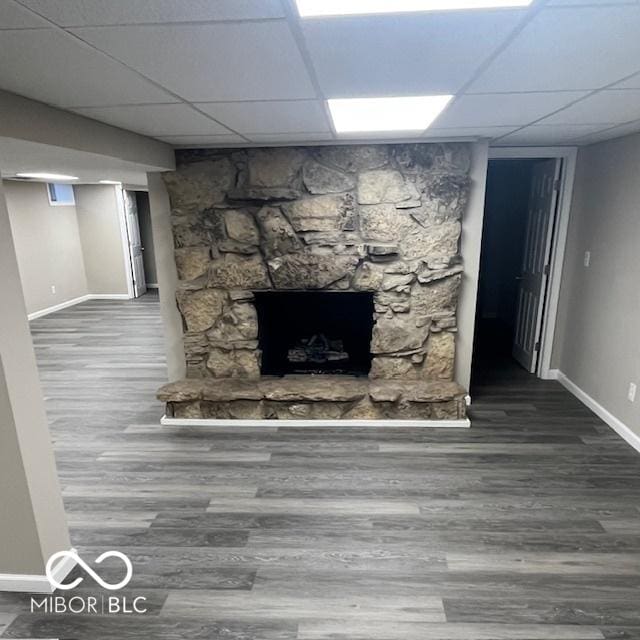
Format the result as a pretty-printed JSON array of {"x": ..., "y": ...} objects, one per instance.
[
  {"x": 384, "y": 219},
  {"x": 313, "y": 396}
]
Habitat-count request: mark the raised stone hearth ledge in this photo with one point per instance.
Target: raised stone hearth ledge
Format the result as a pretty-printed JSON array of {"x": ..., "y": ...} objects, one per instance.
[{"x": 311, "y": 397}]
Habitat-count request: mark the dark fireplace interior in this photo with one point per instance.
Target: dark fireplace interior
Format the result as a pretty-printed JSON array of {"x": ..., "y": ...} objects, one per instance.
[{"x": 315, "y": 332}]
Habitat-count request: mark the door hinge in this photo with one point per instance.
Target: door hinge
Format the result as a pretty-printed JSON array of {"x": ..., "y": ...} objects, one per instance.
[
  {"x": 537, "y": 347},
  {"x": 557, "y": 184},
  {"x": 546, "y": 269}
]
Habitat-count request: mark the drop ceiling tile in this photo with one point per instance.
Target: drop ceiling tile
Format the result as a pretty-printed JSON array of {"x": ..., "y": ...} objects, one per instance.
[
  {"x": 13, "y": 16},
  {"x": 549, "y": 134},
  {"x": 191, "y": 141},
  {"x": 293, "y": 116},
  {"x": 608, "y": 107},
  {"x": 502, "y": 109},
  {"x": 46, "y": 65},
  {"x": 76, "y": 13},
  {"x": 468, "y": 132},
  {"x": 284, "y": 138},
  {"x": 630, "y": 83},
  {"x": 568, "y": 49},
  {"x": 403, "y": 54},
  {"x": 157, "y": 119},
  {"x": 212, "y": 62},
  {"x": 611, "y": 134},
  {"x": 561, "y": 49}
]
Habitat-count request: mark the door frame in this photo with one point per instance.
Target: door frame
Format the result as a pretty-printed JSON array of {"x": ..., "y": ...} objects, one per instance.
[
  {"x": 124, "y": 237},
  {"x": 568, "y": 155}
]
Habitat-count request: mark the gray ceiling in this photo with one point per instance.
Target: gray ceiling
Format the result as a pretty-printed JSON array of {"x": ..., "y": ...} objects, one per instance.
[{"x": 220, "y": 72}]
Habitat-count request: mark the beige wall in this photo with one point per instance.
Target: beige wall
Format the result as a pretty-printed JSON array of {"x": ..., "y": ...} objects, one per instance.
[
  {"x": 596, "y": 344},
  {"x": 19, "y": 543},
  {"x": 470, "y": 248},
  {"x": 32, "y": 520},
  {"x": 167, "y": 276},
  {"x": 77, "y": 249},
  {"x": 101, "y": 239},
  {"x": 25, "y": 119},
  {"x": 48, "y": 247}
]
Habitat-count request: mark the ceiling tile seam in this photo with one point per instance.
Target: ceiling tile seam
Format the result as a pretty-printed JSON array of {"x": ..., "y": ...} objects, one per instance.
[
  {"x": 486, "y": 63},
  {"x": 530, "y": 14},
  {"x": 88, "y": 45},
  {"x": 460, "y": 128},
  {"x": 524, "y": 93},
  {"x": 124, "y": 104},
  {"x": 2, "y": 29},
  {"x": 207, "y": 102},
  {"x": 331, "y": 142},
  {"x": 210, "y": 117},
  {"x": 293, "y": 20},
  {"x": 616, "y": 126},
  {"x": 254, "y": 101},
  {"x": 286, "y": 133},
  {"x": 606, "y": 128},
  {"x": 571, "y": 104},
  {"x": 181, "y": 23}
]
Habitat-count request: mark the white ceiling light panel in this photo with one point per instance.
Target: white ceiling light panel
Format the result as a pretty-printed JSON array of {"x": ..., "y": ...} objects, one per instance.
[
  {"x": 362, "y": 115},
  {"x": 317, "y": 8}
]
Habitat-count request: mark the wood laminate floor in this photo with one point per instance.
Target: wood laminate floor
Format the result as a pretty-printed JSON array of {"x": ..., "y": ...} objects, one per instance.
[{"x": 525, "y": 527}]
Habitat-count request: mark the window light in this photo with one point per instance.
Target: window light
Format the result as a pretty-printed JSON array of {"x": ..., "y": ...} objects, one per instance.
[{"x": 361, "y": 115}]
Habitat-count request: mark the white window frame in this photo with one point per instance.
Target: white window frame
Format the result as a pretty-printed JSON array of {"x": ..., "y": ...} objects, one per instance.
[{"x": 54, "y": 203}]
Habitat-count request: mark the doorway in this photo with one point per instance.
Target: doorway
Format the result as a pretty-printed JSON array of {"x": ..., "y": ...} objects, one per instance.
[
  {"x": 137, "y": 239},
  {"x": 146, "y": 237},
  {"x": 524, "y": 230},
  {"x": 138, "y": 279}
]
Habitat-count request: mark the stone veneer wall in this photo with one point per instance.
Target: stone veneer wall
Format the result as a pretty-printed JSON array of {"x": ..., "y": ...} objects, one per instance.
[{"x": 380, "y": 218}]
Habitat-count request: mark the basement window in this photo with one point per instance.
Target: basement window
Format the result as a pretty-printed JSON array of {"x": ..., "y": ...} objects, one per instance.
[{"x": 60, "y": 195}]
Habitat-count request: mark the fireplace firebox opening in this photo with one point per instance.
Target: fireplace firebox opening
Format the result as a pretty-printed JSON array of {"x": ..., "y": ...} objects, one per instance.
[{"x": 315, "y": 332}]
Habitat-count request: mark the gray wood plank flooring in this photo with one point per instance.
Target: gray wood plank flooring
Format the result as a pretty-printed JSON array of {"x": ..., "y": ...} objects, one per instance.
[{"x": 526, "y": 527}]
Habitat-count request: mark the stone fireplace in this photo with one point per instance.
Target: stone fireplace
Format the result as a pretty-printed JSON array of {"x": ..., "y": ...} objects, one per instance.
[{"x": 319, "y": 282}]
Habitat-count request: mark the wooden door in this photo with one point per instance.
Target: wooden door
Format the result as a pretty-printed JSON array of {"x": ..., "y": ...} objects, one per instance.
[
  {"x": 535, "y": 264},
  {"x": 135, "y": 244}
]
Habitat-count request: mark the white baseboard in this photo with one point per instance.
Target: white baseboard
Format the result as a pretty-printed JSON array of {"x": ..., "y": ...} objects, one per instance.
[
  {"x": 153, "y": 286},
  {"x": 552, "y": 374},
  {"x": 617, "y": 425},
  {"x": 317, "y": 424},
  {"x": 16, "y": 582},
  {"x": 75, "y": 301},
  {"x": 109, "y": 296},
  {"x": 58, "y": 307}
]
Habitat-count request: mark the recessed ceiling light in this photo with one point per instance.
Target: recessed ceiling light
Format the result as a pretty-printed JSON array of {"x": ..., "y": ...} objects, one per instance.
[
  {"x": 52, "y": 177},
  {"x": 361, "y": 115},
  {"x": 110, "y": 182},
  {"x": 311, "y": 8}
]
